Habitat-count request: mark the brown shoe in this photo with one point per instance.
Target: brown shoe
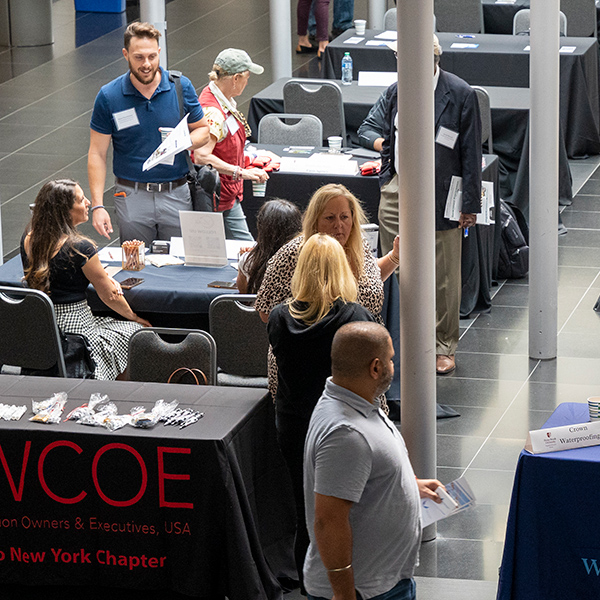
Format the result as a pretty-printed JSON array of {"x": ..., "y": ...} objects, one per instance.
[{"x": 444, "y": 364}]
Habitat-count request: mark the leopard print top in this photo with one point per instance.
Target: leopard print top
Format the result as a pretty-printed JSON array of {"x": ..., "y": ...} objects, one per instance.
[{"x": 275, "y": 287}]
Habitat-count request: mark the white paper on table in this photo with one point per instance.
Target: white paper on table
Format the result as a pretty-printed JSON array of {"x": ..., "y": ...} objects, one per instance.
[
  {"x": 387, "y": 35},
  {"x": 354, "y": 40},
  {"x": 454, "y": 199},
  {"x": 505, "y": 1},
  {"x": 176, "y": 246},
  {"x": 108, "y": 254},
  {"x": 177, "y": 141},
  {"x": 463, "y": 45},
  {"x": 486, "y": 216},
  {"x": 163, "y": 260},
  {"x": 335, "y": 164},
  {"x": 376, "y": 43},
  {"x": 233, "y": 247},
  {"x": 203, "y": 238},
  {"x": 377, "y": 78},
  {"x": 527, "y": 49},
  {"x": 567, "y": 49}
]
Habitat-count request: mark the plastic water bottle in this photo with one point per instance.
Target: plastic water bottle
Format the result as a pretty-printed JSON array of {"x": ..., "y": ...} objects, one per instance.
[{"x": 347, "y": 69}]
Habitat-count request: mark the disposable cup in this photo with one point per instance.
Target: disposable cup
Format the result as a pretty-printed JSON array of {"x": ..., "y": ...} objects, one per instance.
[
  {"x": 164, "y": 132},
  {"x": 259, "y": 189},
  {"x": 360, "y": 26},
  {"x": 335, "y": 143},
  {"x": 594, "y": 407}
]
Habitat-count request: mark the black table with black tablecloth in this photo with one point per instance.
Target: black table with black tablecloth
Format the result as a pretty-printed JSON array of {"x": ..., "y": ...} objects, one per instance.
[
  {"x": 552, "y": 546},
  {"x": 498, "y": 16},
  {"x": 202, "y": 512},
  {"x": 480, "y": 249},
  {"x": 358, "y": 100},
  {"x": 500, "y": 61},
  {"x": 510, "y": 128}
]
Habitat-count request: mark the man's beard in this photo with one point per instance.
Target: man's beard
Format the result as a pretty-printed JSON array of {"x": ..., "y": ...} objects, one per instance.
[
  {"x": 386, "y": 382},
  {"x": 144, "y": 79}
]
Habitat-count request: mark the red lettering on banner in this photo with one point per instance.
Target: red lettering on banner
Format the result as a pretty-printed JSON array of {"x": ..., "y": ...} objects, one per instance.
[
  {"x": 142, "y": 464},
  {"x": 178, "y": 477},
  {"x": 43, "y": 483},
  {"x": 17, "y": 495},
  {"x": 16, "y": 554}
]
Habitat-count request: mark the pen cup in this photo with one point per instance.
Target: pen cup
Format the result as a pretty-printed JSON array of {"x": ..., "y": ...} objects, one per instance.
[{"x": 133, "y": 255}]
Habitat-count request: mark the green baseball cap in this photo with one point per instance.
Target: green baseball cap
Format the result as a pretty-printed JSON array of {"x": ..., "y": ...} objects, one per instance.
[{"x": 235, "y": 61}]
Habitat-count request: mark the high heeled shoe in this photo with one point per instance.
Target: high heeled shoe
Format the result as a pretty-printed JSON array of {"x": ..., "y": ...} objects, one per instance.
[{"x": 305, "y": 49}]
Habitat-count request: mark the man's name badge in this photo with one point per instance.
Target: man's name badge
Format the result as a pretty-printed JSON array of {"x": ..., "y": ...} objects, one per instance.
[
  {"x": 125, "y": 119},
  {"x": 446, "y": 137}
]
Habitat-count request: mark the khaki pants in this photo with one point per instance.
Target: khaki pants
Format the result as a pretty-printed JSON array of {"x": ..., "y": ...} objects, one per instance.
[{"x": 448, "y": 245}]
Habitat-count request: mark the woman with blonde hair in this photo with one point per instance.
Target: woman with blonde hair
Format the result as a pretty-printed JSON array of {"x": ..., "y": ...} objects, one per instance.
[
  {"x": 301, "y": 330},
  {"x": 335, "y": 211}
]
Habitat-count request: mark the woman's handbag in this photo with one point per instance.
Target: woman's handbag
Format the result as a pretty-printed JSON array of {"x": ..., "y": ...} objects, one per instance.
[
  {"x": 77, "y": 353},
  {"x": 188, "y": 376}
]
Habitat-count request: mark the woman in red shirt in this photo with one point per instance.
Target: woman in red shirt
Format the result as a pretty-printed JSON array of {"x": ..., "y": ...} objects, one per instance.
[{"x": 228, "y": 132}]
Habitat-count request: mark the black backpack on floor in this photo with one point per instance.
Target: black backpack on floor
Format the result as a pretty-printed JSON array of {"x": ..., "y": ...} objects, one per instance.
[{"x": 514, "y": 249}]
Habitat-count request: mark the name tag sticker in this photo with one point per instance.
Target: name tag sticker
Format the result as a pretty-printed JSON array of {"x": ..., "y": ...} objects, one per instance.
[
  {"x": 125, "y": 119},
  {"x": 232, "y": 124},
  {"x": 446, "y": 137}
]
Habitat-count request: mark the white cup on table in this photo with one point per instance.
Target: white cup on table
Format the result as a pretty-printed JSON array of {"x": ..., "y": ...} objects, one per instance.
[
  {"x": 335, "y": 144},
  {"x": 360, "y": 25}
]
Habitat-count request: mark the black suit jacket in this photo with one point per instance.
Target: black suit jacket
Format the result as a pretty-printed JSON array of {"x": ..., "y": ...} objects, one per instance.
[{"x": 456, "y": 109}]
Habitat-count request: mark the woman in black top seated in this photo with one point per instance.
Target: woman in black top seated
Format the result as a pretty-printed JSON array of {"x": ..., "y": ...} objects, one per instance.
[
  {"x": 301, "y": 331},
  {"x": 277, "y": 222},
  {"x": 58, "y": 260}
]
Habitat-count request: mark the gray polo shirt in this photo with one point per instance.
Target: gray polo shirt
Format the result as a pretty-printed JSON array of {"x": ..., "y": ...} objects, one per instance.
[{"x": 354, "y": 452}]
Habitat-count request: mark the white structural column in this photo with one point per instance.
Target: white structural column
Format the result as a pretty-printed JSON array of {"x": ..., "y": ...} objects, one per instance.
[
  {"x": 280, "y": 17},
  {"x": 377, "y": 10},
  {"x": 416, "y": 177},
  {"x": 543, "y": 191},
  {"x": 154, "y": 12}
]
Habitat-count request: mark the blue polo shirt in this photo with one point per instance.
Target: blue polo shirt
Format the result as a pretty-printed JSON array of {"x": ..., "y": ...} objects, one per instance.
[{"x": 133, "y": 145}]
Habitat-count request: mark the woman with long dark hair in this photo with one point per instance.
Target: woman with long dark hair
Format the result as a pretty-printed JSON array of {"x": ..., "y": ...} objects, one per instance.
[
  {"x": 277, "y": 222},
  {"x": 61, "y": 262}
]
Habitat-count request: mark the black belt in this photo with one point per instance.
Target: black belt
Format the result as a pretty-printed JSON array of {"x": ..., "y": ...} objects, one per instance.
[{"x": 153, "y": 187}]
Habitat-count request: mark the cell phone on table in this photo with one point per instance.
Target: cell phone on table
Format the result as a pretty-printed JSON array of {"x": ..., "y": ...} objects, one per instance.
[
  {"x": 130, "y": 282},
  {"x": 230, "y": 285}
]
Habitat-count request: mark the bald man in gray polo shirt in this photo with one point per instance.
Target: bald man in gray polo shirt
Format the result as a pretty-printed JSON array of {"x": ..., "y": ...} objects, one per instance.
[{"x": 362, "y": 497}]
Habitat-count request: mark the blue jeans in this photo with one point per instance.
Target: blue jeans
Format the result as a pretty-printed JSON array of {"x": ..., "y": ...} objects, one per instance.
[
  {"x": 236, "y": 227},
  {"x": 343, "y": 16},
  {"x": 405, "y": 589}
]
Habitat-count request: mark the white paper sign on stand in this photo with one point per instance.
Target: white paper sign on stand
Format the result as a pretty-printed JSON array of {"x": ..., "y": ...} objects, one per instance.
[
  {"x": 203, "y": 238},
  {"x": 565, "y": 437}
]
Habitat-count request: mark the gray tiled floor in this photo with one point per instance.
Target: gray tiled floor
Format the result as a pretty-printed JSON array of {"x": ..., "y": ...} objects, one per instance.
[{"x": 46, "y": 96}]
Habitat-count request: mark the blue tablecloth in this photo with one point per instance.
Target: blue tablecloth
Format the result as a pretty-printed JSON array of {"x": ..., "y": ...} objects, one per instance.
[{"x": 552, "y": 547}]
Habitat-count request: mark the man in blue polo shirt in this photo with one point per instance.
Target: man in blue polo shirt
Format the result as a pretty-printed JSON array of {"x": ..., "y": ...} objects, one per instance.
[{"x": 129, "y": 111}]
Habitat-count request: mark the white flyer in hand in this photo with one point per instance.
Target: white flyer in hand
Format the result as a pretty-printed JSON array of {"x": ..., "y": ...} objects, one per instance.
[
  {"x": 486, "y": 216},
  {"x": 177, "y": 141},
  {"x": 454, "y": 199},
  {"x": 432, "y": 511}
]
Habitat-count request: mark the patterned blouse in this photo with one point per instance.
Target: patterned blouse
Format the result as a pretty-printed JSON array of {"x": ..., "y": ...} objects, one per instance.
[{"x": 276, "y": 285}]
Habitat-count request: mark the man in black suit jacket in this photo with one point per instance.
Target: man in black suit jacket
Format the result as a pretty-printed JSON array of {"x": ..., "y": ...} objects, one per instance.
[{"x": 457, "y": 153}]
